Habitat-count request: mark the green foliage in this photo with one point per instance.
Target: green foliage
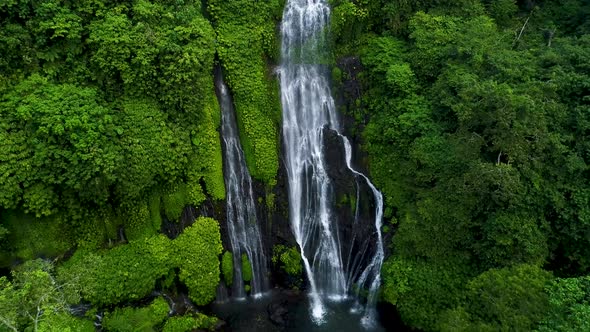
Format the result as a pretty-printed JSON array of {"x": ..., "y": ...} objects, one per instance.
[
  {"x": 126, "y": 272},
  {"x": 54, "y": 136},
  {"x": 190, "y": 323},
  {"x": 138, "y": 222},
  {"x": 422, "y": 290},
  {"x": 270, "y": 201},
  {"x": 477, "y": 137},
  {"x": 104, "y": 104},
  {"x": 154, "y": 202},
  {"x": 512, "y": 239},
  {"x": 227, "y": 267},
  {"x": 35, "y": 300},
  {"x": 349, "y": 20},
  {"x": 503, "y": 11},
  {"x": 245, "y": 34},
  {"x": 289, "y": 259},
  {"x": 196, "y": 253},
  {"x": 64, "y": 322},
  {"x": 246, "y": 268},
  {"x": 477, "y": 134},
  {"x": 569, "y": 302},
  {"x": 174, "y": 202},
  {"x": 130, "y": 272},
  {"x": 136, "y": 319},
  {"x": 29, "y": 238},
  {"x": 509, "y": 298},
  {"x": 210, "y": 165},
  {"x": 153, "y": 148}
]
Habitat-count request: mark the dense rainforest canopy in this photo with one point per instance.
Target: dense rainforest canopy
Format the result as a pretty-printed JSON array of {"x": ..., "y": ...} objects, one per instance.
[{"x": 474, "y": 116}]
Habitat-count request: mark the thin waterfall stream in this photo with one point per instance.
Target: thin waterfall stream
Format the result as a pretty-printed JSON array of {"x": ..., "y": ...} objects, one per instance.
[
  {"x": 309, "y": 110},
  {"x": 242, "y": 222}
]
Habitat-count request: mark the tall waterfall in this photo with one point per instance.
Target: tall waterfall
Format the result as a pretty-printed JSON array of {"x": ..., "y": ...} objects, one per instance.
[
  {"x": 242, "y": 222},
  {"x": 308, "y": 110}
]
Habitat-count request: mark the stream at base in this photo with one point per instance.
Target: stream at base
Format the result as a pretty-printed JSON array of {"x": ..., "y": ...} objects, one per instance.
[{"x": 285, "y": 310}]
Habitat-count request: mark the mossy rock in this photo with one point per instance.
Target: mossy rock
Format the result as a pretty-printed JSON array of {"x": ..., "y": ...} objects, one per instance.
[
  {"x": 246, "y": 268},
  {"x": 174, "y": 201},
  {"x": 227, "y": 267},
  {"x": 289, "y": 259}
]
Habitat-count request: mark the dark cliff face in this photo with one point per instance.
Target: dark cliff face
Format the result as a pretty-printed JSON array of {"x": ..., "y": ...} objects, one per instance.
[
  {"x": 354, "y": 205},
  {"x": 348, "y": 91},
  {"x": 272, "y": 209},
  {"x": 209, "y": 208}
]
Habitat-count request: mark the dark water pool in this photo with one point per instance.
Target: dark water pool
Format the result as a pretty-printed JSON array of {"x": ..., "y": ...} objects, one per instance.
[{"x": 282, "y": 310}]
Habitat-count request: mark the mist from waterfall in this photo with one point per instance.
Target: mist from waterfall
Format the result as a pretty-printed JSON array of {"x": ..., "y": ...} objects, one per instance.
[
  {"x": 242, "y": 223},
  {"x": 308, "y": 110}
]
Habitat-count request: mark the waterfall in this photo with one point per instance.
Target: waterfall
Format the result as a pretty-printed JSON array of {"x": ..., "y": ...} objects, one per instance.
[
  {"x": 308, "y": 109},
  {"x": 242, "y": 223}
]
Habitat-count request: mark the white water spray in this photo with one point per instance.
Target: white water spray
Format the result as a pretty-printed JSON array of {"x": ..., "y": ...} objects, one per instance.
[
  {"x": 308, "y": 108},
  {"x": 242, "y": 222}
]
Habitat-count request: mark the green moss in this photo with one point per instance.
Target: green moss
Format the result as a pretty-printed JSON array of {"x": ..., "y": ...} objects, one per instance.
[
  {"x": 347, "y": 200},
  {"x": 154, "y": 206},
  {"x": 195, "y": 193},
  {"x": 227, "y": 267},
  {"x": 246, "y": 33},
  {"x": 138, "y": 221},
  {"x": 270, "y": 201},
  {"x": 137, "y": 319},
  {"x": 28, "y": 237},
  {"x": 90, "y": 232},
  {"x": 336, "y": 75},
  {"x": 353, "y": 202},
  {"x": 174, "y": 201},
  {"x": 207, "y": 164},
  {"x": 289, "y": 259},
  {"x": 246, "y": 269},
  {"x": 196, "y": 253},
  {"x": 168, "y": 280},
  {"x": 63, "y": 322},
  {"x": 190, "y": 323}
]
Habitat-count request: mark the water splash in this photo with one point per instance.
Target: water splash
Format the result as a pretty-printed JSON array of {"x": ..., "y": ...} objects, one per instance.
[
  {"x": 242, "y": 222},
  {"x": 308, "y": 109}
]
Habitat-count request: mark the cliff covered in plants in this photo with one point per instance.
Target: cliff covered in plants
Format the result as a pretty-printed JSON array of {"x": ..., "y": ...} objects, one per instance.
[{"x": 473, "y": 117}]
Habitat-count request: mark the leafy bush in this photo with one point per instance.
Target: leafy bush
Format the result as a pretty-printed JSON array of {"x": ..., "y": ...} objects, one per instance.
[
  {"x": 227, "y": 268},
  {"x": 245, "y": 33},
  {"x": 196, "y": 252},
  {"x": 189, "y": 323},
  {"x": 289, "y": 258},
  {"x": 569, "y": 303},
  {"x": 137, "y": 319},
  {"x": 126, "y": 272},
  {"x": 28, "y": 237},
  {"x": 130, "y": 272},
  {"x": 34, "y": 299},
  {"x": 174, "y": 202}
]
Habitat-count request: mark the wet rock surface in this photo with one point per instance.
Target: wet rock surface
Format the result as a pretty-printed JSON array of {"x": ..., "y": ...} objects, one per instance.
[{"x": 354, "y": 201}]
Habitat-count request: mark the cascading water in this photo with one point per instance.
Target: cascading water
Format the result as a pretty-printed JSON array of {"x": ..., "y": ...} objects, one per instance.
[
  {"x": 308, "y": 110},
  {"x": 242, "y": 224}
]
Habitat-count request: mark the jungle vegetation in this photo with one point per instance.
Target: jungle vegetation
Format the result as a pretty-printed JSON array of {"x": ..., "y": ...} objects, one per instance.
[{"x": 474, "y": 116}]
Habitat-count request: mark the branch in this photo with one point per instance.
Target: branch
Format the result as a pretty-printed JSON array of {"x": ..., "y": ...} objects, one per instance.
[
  {"x": 551, "y": 34},
  {"x": 10, "y": 326},
  {"x": 522, "y": 29}
]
